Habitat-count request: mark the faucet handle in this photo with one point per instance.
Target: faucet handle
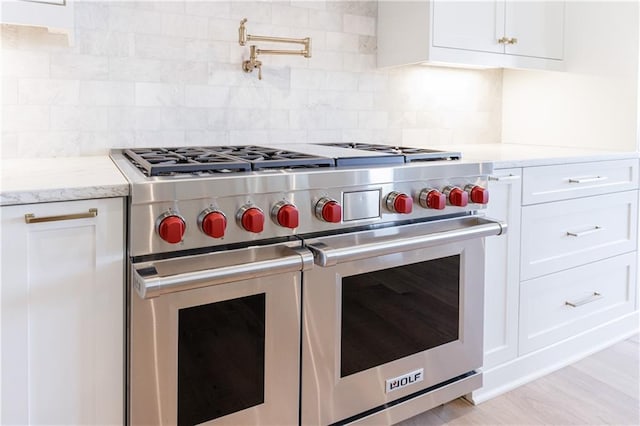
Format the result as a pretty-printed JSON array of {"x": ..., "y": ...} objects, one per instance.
[
  {"x": 258, "y": 65},
  {"x": 242, "y": 33}
]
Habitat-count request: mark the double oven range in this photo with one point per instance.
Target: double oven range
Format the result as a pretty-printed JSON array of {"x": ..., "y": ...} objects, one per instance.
[{"x": 308, "y": 284}]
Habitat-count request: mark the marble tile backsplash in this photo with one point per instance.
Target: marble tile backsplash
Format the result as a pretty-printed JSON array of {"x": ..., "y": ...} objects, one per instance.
[{"x": 167, "y": 73}]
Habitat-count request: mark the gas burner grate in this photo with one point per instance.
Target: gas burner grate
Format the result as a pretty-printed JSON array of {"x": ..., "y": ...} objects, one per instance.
[
  {"x": 219, "y": 159},
  {"x": 174, "y": 161},
  {"x": 410, "y": 154},
  {"x": 272, "y": 158},
  {"x": 367, "y": 147}
]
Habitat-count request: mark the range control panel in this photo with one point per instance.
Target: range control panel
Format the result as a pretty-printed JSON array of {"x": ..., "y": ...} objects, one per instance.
[{"x": 186, "y": 224}]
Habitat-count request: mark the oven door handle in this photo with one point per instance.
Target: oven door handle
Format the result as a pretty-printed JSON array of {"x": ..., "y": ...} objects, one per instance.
[
  {"x": 324, "y": 255},
  {"x": 149, "y": 283}
]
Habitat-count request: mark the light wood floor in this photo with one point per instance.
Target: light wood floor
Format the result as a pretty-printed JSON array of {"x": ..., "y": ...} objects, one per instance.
[{"x": 603, "y": 389}]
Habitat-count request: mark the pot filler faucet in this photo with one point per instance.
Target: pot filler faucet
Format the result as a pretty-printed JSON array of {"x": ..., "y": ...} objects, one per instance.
[{"x": 253, "y": 62}]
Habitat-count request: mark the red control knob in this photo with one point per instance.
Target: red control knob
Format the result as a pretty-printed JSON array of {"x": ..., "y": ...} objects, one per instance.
[
  {"x": 213, "y": 224},
  {"x": 253, "y": 220},
  {"x": 432, "y": 199},
  {"x": 287, "y": 216},
  {"x": 458, "y": 197},
  {"x": 332, "y": 212},
  {"x": 171, "y": 229},
  {"x": 329, "y": 210},
  {"x": 403, "y": 204},
  {"x": 399, "y": 203},
  {"x": 478, "y": 194}
]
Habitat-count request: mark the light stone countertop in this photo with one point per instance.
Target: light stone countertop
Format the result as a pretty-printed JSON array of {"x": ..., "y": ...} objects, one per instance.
[
  {"x": 504, "y": 156},
  {"x": 42, "y": 180}
]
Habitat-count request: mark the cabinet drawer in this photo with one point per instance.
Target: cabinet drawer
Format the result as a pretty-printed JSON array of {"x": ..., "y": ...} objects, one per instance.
[
  {"x": 565, "y": 234},
  {"x": 557, "y": 306},
  {"x": 553, "y": 183}
]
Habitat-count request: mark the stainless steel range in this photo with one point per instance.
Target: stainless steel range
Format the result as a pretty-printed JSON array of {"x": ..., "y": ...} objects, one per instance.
[{"x": 302, "y": 284}]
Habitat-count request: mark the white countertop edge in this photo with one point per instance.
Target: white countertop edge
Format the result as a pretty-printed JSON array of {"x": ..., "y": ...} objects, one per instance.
[
  {"x": 8, "y": 198},
  {"x": 504, "y": 156},
  {"x": 536, "y": 162},
  {"x": 45, "y": 180}
]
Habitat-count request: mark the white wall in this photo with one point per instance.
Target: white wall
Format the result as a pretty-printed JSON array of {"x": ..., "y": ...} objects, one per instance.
[
  {"x": 169, "y": 73},
  {"x": 595, "y": 103}
]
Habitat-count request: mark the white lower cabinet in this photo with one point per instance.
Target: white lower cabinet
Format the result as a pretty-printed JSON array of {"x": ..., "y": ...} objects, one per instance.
[
  {"x": 62, "y": 300},
  {"x": 565, "y": 285},
  {"x": 558, "y": 306},
  {"x": 543, "y": 184},
  {"x": 501, "y": 269},
  {"x": 565, "y": 234}
]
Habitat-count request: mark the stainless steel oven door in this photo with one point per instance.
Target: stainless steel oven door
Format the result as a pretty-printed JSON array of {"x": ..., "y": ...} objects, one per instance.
[
  {"x": 389, "y": 313},
  {"x": 214, "y": 338}
]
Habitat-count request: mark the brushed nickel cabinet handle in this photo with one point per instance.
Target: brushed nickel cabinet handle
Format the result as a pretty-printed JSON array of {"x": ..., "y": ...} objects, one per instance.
[
  {"x": 504, "y": 178},
  {"x": 512, "y": 40},
  {"x": 503, "y": 40},
  {"x": 31, "y": 218},
  {"x": 587, "y": 179},
  {"x": 591, "y": 298},
  {"x": 583, "y": 233}
]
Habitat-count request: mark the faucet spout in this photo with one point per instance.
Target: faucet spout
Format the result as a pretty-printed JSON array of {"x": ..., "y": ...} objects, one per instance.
[
  {"x": 250, "y": 64},
  {"x": 253, "y": 62}
]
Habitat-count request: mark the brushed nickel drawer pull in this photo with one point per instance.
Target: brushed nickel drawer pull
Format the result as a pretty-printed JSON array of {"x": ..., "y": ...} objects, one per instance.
[
  {"x": 587, "y": 179},
  {"x": 592, "y": 298},
  {"x": 504, "y": 178},
  {"x": 31, "y": 218},
  {"x": 583, "y": 233}
]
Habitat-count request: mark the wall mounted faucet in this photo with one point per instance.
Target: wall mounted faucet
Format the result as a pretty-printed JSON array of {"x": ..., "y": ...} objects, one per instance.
[{"x": 253, "y": 62}]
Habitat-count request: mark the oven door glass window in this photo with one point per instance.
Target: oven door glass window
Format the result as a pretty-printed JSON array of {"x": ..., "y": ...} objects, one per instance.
[
  {"x": 221, "y": 358},
  {"x": 397, "y": 312}
]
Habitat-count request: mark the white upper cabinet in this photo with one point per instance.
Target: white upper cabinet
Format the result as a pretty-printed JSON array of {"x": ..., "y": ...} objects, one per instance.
[
  {"x": 537, "y": 27},
  {"x": 474, "y": 25},
  {"x": 510, "y": 34},
  {"x": 55, "y": 15}
]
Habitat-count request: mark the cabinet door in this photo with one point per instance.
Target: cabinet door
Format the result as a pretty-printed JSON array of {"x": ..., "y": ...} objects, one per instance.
[
  {"x": 469, "y": 25},
  {"x": 501, "y": 270},
  {"x": 62, "y": 300},
  {"x": 565, "y": 234},
  {"x": 538, "y": 27},
  {"x": 561, "y": 182},
  {"x": 558, "y": 306}
]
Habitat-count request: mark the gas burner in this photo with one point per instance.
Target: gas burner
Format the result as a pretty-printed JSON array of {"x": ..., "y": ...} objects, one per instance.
[
  {"x": 270, "y": 158},
  {"x": 224, "y": 159},
  {"x": 204, "y": 161},
  {"x": 410, "y": 154},
  {"x": 173, "y": 161},
  {"x": 367, "y": 147}
]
